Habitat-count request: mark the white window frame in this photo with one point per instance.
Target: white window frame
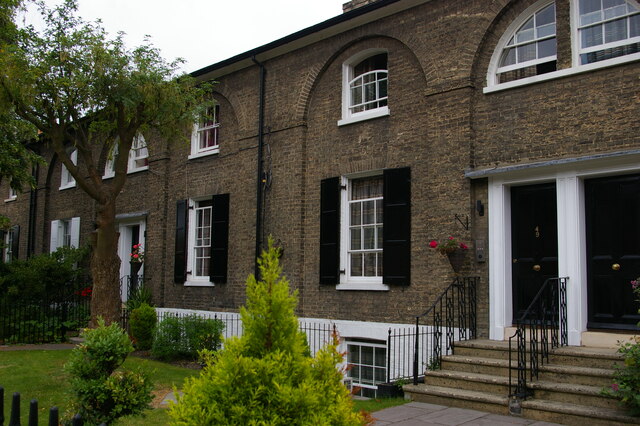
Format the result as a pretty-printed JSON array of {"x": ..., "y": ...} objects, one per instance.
[
  {"x": 7, "y": 252},
  {"x": 578, "y": 50},
  {"x": 494, "y": 64},
  {"x": 196, "y": 151},
  {"x": 13, "y": 195},
  {"x": 353, "y": 366},
  {"x": 58, "y": 228},
  {"x": 192, "y": 278},
  {"x": 493, "y": 86},
  {"x": 347, "y": 77},
  {"x": 347, "y": 282},
  {"x": 66, "y": 179},
  {"x": 138, "y": 152}
]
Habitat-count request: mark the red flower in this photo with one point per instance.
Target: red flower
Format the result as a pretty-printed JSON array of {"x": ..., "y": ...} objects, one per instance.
[
  {"x": 463, "y": 246},
  {"x": 614, "y": 387},
  {"x": 433, "y": 244}
]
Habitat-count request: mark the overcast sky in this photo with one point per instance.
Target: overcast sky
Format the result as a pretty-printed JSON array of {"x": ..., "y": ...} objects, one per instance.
[{"x": 204, "y": 32}]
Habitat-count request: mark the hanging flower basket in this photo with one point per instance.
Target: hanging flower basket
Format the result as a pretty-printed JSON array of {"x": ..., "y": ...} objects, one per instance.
[
  {"x": 456, "y": 259},
  {"x": 455, "y": 251}
]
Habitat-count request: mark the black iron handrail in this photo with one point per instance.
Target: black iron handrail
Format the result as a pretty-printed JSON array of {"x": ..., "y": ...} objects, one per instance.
[
  {"x": 456, "y": 309},
  {"x": 545, "y": 318}
]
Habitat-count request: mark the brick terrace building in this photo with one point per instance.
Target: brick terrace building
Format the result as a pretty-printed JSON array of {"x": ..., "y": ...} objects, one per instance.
[{"x": 513, "y": 125}]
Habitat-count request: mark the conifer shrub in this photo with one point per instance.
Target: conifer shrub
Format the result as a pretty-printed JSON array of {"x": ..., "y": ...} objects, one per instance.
[
  {"x": 142, "y": 324},
  {"x": 102, "y": 391},
  {"x": 267, "y": 376}
]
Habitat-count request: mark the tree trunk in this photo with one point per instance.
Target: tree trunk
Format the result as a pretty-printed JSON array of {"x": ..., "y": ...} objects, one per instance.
[{"x": 105, "y": 267}]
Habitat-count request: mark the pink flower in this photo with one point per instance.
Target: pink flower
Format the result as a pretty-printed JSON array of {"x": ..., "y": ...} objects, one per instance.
[
  {"x": 433, "y": 244},
  {"x": 135, "y": 256},
  {"x": 614, "y": 387},
  {"x": 634, "y": 284},
  {"x": 451, "y": 238},
  {"x": 463, "y": 246}
]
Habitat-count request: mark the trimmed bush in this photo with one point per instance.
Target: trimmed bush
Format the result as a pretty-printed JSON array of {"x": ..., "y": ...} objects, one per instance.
[
  {"x": 183, "y": 337},
  {"x": 142, "y": 324},
  {"x": 102, "y": 392}
]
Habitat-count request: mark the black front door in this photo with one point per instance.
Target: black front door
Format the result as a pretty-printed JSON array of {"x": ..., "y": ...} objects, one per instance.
[
  {"x": 534, "y": 241},
  {"x": 613, "y": 250}
]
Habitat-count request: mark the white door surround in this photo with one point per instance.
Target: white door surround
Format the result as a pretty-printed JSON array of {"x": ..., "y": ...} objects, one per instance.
[
  {"x": 569, "y": 176},
  {"x": 127, "y": 226}
]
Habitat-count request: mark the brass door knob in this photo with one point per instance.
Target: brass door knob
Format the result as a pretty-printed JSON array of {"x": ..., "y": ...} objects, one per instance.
[
  {"x": 615, "y": 267},
  {"x": 536, "y": 268}
]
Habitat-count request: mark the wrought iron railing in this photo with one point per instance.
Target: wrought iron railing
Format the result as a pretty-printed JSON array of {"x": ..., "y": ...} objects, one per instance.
[
  {"x": 452, "y": 317},
  {"x": 129, "y": 284},
  {"x": 544, "y": 324}
]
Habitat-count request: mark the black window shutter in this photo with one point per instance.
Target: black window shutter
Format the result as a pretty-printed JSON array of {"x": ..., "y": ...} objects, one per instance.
[
  {"x": 15, "y": 242},
  {"x": 220, "y": 240},
  {"x": 330, "y": 231},
  {"x": 180, "y": 257},
  {"x": 397, "y": 226}
]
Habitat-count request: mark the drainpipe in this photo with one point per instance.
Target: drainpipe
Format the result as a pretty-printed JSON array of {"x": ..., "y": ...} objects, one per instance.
[
  {"x": 259, "y": 166},
  {"x": 33, "y": 212}
]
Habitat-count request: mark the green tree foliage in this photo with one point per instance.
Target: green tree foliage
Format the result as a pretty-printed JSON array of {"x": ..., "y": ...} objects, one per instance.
[
  {"x": 16, "y": 158},
  {"x": 102, "y": 391},
  {"x": 46, "y": 275},
  {"x": 142, "y": 325},
  {"x": 266, "y": 377},
  {"x": 80, "y": 88}
]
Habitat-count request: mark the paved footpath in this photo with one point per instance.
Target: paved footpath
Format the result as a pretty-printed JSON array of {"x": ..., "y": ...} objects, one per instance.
[{"x": 421, "y": 414}]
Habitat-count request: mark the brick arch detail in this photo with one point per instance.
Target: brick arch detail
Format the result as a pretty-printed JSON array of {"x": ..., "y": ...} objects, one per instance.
[
  {"x": 238, "y": 113},
  {"x": 315, "y": 72}
]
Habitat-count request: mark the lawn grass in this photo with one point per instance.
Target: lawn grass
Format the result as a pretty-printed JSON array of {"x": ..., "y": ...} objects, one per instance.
[{"x": 39, "y": 374}]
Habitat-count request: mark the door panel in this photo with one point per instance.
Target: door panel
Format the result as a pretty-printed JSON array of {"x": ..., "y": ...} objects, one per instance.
[
  {"x": 613, "y": 250},
  {"x": 534, "y": 241}
]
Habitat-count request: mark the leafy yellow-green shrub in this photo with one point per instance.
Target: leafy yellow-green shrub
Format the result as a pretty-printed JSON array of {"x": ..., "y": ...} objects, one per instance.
[{"x": 266, "y": 377}]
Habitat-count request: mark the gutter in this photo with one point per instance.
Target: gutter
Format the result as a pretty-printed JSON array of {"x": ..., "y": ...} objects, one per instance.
[{"x": 259, "y": 170}]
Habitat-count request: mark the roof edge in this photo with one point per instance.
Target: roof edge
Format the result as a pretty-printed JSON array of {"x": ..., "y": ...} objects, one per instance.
[{"x": 314, "y": 29}]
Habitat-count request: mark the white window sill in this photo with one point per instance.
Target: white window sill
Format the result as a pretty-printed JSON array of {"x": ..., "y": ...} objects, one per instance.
[
  {"x": 203, "y": 154},
  {"x": 198, "y": 283},
  {"x": 68, "y": 186},
  {"x": 8, "y": 200},
  {"x": 365, "y": 115},
  {"x": 363, "y": 286},
  {"x": 562, "y": 73},
  {"x": 140, "y": 169}
]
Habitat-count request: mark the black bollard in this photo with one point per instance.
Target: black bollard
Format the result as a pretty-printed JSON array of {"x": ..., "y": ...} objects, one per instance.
[
  {"x": 15, "y": 410},
  {"x": 77, "y": 420},
  {"x": 33, "y": 412},
  {"x": 53, "y": 416},
  {"x": 1, "y": 405}
]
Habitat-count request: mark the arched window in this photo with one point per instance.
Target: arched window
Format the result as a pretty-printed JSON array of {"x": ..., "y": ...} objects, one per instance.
[
  {"x": 607, "y": 29},
  {"x": 529, "y": 49},
  {"x": 368, "y": 88},
  {"x": 365, "y": 82}
]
